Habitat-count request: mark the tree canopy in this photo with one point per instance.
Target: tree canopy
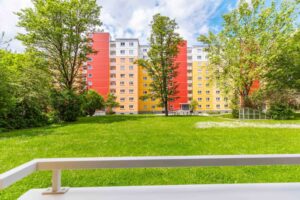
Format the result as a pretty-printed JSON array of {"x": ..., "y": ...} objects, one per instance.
[
  {"x": 59, "y": 29},
  {"x": 161, "y": 66},
  {"x": 244, "y": 51}
]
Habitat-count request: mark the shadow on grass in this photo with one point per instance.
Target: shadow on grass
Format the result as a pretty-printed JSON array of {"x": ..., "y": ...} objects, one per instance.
[{"x": 50, "y": 129}]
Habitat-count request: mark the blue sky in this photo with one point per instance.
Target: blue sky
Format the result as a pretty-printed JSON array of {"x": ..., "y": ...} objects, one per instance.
[{"x": 131, "y": 18}]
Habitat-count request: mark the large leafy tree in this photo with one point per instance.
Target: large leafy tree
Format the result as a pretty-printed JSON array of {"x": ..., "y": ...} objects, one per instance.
[
  {"x": 161, "y": 66},
  {"x": 24, "y": 89},
  {"x": 59, "y": 30},
  {"x": 242, "y": 51}
]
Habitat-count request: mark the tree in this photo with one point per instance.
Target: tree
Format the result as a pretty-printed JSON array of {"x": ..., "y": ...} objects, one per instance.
[
  {"x": 67, "y": 104},
  {"x": 241, "y": 52},
  {"x": 24, "y": 90},
  {"x": 92, "y": 102},
  {"x": 59, "y": 30},
  {"x": 193, "y": 105},
  {"x": 111, "y": 103},
  {"x": 161, "y": 67}
]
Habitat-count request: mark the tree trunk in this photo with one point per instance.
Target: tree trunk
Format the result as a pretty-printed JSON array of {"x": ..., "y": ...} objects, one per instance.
[{"x": 166, "y": 108}]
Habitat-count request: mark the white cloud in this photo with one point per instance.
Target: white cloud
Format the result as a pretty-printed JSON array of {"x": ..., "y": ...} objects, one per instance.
[
  {"x": 131, "y": 18},
  {"x": 8, "y": 20}
]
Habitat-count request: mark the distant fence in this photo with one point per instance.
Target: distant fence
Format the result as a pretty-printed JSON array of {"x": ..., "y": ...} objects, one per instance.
[{"x": 249, "y": 113}]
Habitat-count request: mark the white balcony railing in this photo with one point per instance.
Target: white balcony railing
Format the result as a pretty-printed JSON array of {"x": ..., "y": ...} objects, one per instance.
[{"x": 56, "y": 165}]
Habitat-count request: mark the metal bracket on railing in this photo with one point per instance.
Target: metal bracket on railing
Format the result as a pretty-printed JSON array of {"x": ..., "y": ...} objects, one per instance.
[{"x": 56, "y": 184}]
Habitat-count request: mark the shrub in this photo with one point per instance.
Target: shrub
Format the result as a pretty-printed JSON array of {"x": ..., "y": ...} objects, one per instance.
[
  {"x": 92, "y": 101},
  {"x": 67, "y": 104},
  {"x": 281, "y": 111},
  {"x": 26, "y": 114}
]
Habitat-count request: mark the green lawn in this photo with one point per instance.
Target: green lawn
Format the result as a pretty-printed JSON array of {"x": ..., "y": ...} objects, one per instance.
[{"x": 146, "y": 136}]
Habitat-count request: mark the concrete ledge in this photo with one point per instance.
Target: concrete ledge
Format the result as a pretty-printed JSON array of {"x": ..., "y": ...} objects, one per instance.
[{"x": 277, "y": 191}]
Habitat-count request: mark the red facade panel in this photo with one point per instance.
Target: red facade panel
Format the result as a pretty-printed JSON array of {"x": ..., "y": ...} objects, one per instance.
[
  {"x": 98, "y": 73},
  {"x": 181, "y": 78}
]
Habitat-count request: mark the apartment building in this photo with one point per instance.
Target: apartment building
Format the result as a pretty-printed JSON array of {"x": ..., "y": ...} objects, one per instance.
[
  {"x": 96, "y": 70},
  {"x": 126, "y": 74},
  {"x": 204, "y": 89},
  {"x": 113, "y": 70}
]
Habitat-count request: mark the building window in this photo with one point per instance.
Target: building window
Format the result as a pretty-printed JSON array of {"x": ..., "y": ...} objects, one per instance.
[
  {"x": 90, "y": 59},
  {"x": 199, "y": 57},
  {"x": 123, "y": 44},
  {"x": 225, "y": 99},
  {"x": 122, "y": 60},
  {"x": 130, "y": 52},
  {"x": 226, "y": 105},
  {"x": 131, "y": 75},
  {"x": 199, "y": 78},
  {"x": 207, "y": 84},
  {"x": 145, "y": 107},
  {"x": 122, "y": 99},
  {"x": 145, "y": 85},
  {"x": 131, "y": 91},
  {"x": 90, "y": 83},
  {"x": 122, "y": 52},
  {"x": 153, "y": 107},
  {"x": 112, "y": 75},
  {"x": 153, "y": 99},
  {"x": 207, "y": 92},
  {"x": 218, "y": 106},
  {"x": 131, "y": 60},
  {"x": 131, "y": 44},
  {"x": 207, "y": 99},
  {"x": 131, "y": 83},
  {"x": 199, "y": 106},
  {"x": 113, "y": 83},
  {"x": 144, "y": 78},
  {"x": 207, "y": 106},
  {"x": 122, "y": 107},
  {"x": 199, "y": 84},
  {"x": 122, "y": 67},
  {"x": 218, "y": 99},
  {"x": 145, "y": 92},
  {"x": 199, "y": 50},
  {"x": 218, "y": 92},
  {"x": 207, "y": 78},
  {"x": 130, "y": 67},
  {"x": 122, "y": 75},
  {"x": 199, "y": 99},
  {"x": 144, "y": 50},
  {"x": 199, "y": 92},
  {"x": 90, "y": 75},
  {"x": 130, "y": 107},
  {"x": 90, "y": 67},
  {"x": 131, "y": 99},
  {"x": 199, "y": 70},
  {"x": 122, "y": 83},
  {"x": 122, "y": 91}
]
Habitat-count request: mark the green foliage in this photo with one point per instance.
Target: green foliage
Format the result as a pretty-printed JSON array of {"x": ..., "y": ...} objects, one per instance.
[
  {"x": 24, "y": 90},
  {"x": 284, "y": 68},
  {"x": 59, "y": 30},
  {"x": 251, "y": 39},
  {"x": 67, "y": 104},
  {"x": 193, "y": 105},
  {"x": 92, "y": 101},
  {"x": 111, "y": 103},
  {"x": 281, "y": 111},
  {"x": 164, "y": 43}
]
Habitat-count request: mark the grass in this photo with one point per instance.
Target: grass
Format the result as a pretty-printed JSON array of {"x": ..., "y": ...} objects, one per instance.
[{"x": 147, "y": 135}]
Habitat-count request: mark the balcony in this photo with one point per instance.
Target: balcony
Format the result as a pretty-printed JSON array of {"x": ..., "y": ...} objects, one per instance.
[{"x": 261, "y": 191}]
